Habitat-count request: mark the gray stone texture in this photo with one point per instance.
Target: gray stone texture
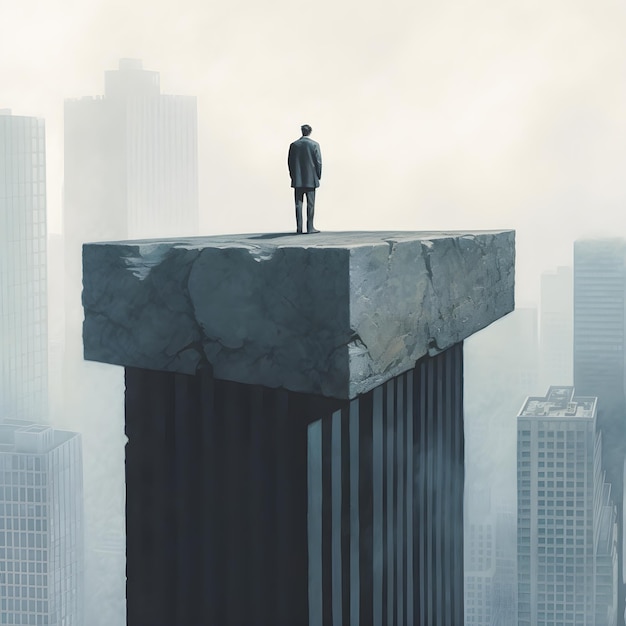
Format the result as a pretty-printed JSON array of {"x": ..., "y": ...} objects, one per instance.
[{"x": 332, "y": 314}]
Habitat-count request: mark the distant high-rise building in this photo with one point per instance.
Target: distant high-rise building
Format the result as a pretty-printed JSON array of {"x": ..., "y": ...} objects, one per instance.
[
  {"x": 41, "y": 525},
  {"x": 480, "y": 569},
  {"x": 505, "y": 580},
  {"x": 599, "y": 356},
  {"x": 566, "y": 529},
  {"x": 599, "y": 320},
  {"x": 131, "y": 171},
  {"x": 490, "y": 574},
  {"x": 23, "y": 280},
  {"x": 131, "y": 166},
  {"x": 556, "y": 327}
]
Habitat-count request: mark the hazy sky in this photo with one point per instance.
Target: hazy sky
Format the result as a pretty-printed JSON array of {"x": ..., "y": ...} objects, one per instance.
[{"x": 432, "y": 114}]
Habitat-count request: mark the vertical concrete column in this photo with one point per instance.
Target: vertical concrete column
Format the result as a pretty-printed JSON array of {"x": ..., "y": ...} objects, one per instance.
[{"x": 294, "y": 414}]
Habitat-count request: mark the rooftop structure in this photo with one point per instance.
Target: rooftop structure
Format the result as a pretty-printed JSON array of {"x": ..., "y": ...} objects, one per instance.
[{"x": 560, "y": 402}]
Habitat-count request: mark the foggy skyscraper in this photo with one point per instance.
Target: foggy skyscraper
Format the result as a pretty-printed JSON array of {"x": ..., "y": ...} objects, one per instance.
[
  {"x": 41, "y": 525},
  {"x": 23, "y": 279},
  {"x": 599, "y": 329},
  {"x": 599, "y": 314},
  {"x": 130, "y": 171},
  {"x": 567, "y": 558},
  {"x": 490, "y": 566}
]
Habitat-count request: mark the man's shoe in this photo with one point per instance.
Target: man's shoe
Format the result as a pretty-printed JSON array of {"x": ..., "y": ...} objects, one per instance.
[
  {"x": 299, "y": 232},
  {"x": 313, "y": 230}
]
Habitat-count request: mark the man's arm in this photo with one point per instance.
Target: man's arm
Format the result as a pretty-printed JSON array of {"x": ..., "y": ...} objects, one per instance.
[
  {"x": 318, "y": 161},
  {"x": 289, "y": 158}
]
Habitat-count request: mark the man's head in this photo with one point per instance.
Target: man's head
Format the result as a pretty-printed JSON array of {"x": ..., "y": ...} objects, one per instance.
[{"x": 306, "y": 130}]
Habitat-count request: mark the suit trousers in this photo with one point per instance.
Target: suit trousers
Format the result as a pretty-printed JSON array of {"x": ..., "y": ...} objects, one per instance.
[{"x": 299, "y": 193}]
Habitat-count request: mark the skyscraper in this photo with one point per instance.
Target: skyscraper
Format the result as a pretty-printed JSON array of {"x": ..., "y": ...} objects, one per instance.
[
  {"x": 23, "y": 280},
  {"x": 130, "y": 171},
  {"x": 599, "y": 315},
  {"x": 41, "y": 525},
  {"x": 599, "y": 356},
  {"x": 490, "y": 562},
  {"x": 566, "y": 533}
]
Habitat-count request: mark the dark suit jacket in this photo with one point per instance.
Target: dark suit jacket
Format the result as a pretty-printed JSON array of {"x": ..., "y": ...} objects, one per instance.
[{"x": 305, "y": 163}]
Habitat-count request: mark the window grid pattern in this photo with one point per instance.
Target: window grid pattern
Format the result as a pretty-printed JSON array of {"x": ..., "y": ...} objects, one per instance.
[
  {"x": 23, "y": 263},
  {"x": 41, "y": 540},
  {"x": 562, "y": 500}
]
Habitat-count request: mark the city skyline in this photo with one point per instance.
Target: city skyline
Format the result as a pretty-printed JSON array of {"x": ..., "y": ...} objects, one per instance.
[{"x": 551, "y": 164}]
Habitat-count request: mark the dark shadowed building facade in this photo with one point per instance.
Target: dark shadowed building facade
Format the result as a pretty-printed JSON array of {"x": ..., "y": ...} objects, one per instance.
[{"x": 294, "y": 413}]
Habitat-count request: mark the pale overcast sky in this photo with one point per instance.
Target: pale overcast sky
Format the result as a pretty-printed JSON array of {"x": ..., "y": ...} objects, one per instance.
[{"x": 434, "y": 114}]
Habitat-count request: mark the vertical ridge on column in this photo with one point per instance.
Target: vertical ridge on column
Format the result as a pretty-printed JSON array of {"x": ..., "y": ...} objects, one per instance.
[
  {"x": 400, "y": 520},
  {"x": 390, "y": 428},
  {"x": 208, "y": 443},
  {"x": 377, "y": 506},
  {"x": 259, "y": 508},
  {"x": 188, "y": 480},
  {"x": 366, "y": 538},
  {"x": 327, "y": 521},
  {"x": 314, "y": 523},
  {"x": 336, "y": 495},
  {"x": 420, "y": 552},
  {"x": 459, "y": 465},
  {"x": 161, "y": 492},
  {"x": 430, "y": 497},
  {"x": 282, "y": 414},
  {"x": 354, "y": 514},
  {"x": 446, "y": 435},
  {"x": 439, "y": 487},
  {"x": 409, "y": 499},
  {"x": 291, "y": 498},
  {"x": 345, "y": 515}
]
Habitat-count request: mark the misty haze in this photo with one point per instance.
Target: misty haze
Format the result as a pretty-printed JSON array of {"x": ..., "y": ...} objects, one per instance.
[{"x": 150, "y": 121}]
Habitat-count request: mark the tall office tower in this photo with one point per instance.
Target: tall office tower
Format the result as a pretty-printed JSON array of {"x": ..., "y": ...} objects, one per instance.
[
  {"x": 505, "y": 580},
  {"x": 23, "y": 280},
  {"x": 566, "y": 532},
  {"x": 490, "y": 574},
  {"x": 556, "y": 327},
  {"x": 130, "y": 171},
  {"x": 480, "y": 565},
  {"x": 599, "y": 329},
  {"x": 41, "y": 525}
]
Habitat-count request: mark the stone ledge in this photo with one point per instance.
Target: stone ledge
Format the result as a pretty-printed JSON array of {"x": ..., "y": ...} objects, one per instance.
[{"x": 333, "y": 314}]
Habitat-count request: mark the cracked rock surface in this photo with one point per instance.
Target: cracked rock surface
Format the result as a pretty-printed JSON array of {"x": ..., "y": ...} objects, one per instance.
[{"x": 333, "y": 314}]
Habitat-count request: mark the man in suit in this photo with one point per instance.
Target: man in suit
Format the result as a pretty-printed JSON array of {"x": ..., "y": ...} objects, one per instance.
[{"x": 305, "y": 168}]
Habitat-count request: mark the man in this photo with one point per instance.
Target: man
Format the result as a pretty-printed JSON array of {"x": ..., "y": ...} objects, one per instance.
[{"x": 305, "y": 169}]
